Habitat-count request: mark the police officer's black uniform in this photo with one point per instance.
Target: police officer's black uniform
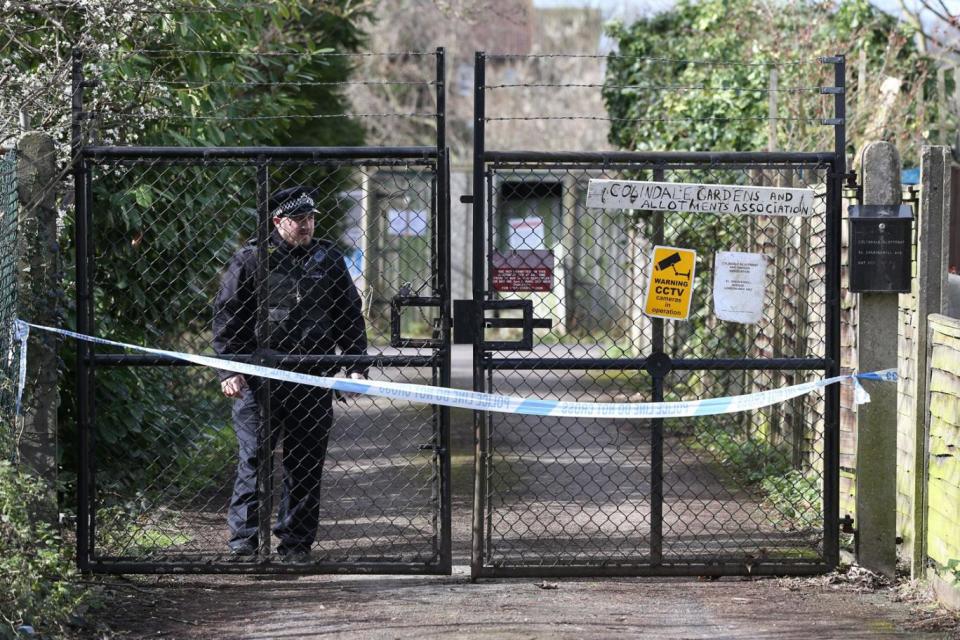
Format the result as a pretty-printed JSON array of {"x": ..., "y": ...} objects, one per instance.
[{"x": 313, "y": 309}]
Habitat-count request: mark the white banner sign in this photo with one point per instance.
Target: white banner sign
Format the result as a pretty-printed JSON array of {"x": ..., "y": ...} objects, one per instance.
[
  {"x": 739, "y": 286},
  {"x": 699, "y": 198}
]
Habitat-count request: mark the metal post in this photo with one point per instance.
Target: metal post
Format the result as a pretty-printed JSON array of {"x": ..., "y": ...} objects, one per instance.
[
  {"x": 443, "y": 290},
  {"x": 831, "y": 431},
  {"x": 80, "y": 173},
  {"x": 656, "y": 425},
  {"x": 262, "y": 387},
  {"x": 479, "y": 279}
]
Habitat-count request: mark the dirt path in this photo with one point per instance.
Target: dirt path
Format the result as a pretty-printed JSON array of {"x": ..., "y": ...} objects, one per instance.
[
  {"x": 452, "y": 607},
  {"x": 589, "y": 485}
]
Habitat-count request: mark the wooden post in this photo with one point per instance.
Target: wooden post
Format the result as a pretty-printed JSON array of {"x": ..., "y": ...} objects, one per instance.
[
  {"x": 942, "y": 107},
  {"x": 369, "y": 243},
  {"x": 772, "y": 111},
  {"x": 570, "y": 250},
  {"x": 929, "y": 287},
  {"x": 861, "y": 80}
]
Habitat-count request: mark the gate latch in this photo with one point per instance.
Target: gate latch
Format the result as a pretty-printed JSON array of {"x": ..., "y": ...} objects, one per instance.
[
  {"x": 397, "y": 303},
  {"x": 465, "y": 316}
]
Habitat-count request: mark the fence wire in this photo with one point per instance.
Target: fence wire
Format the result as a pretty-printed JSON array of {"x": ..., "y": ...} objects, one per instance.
[
  {"x": 9, "y": 348},
  {"x": 741, "y": 489},
  {"x": 651, "y": 103},
  {"x": 165, "y": 98},
  {"x": 357, "y": 478}
]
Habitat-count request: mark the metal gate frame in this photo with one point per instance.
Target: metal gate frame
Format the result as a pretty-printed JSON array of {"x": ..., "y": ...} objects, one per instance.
[
  {"x": 84, "y": 156},
  {"x": 659, "y": 364}
]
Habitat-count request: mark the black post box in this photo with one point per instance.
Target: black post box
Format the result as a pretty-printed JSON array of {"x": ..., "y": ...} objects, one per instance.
[{"x": 880, "y": 249}]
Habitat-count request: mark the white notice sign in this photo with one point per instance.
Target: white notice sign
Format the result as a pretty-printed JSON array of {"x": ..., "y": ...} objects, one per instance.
[
  {"x": 739, "y": 285},
  {"x": 407, "y": 224},
  {"x": 699, "y": 198},
  {"x": 525, "y": 233}
]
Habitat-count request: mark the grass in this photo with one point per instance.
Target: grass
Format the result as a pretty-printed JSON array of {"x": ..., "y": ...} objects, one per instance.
[{"x": 758, "y": 465}]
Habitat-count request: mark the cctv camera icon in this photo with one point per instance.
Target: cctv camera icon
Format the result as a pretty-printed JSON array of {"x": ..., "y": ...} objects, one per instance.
[{"x": 670, "y": 262}]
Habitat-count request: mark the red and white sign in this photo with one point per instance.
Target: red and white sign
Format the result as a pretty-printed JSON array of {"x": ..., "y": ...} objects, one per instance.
[
  {"x": 523, "y": 270},
  {"x": 525, "y": 233}
]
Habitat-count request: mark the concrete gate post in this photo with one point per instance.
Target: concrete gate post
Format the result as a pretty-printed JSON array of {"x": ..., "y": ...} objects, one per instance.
[
  {"x": 876, "y": 494},
  {"x": 38, "y": 301}
]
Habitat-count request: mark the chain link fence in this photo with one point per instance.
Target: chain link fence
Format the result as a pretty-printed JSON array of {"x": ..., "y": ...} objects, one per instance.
[
  {"x": 741, "y": 489},
  {"x": 9, "y": 347},
  {"x": 168, "y": 486}
]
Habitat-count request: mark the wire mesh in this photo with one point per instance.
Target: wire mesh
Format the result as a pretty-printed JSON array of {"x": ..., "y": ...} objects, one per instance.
[
  {"x": 357, "y": 480},
  {"x": 9, "y": 348},
  {"x": 742, "y": 489}
]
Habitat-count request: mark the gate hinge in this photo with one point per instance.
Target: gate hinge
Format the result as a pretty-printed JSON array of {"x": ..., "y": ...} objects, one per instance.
[
  {"x": 466, "y": 199},
  {"x": 846, "y": 524},
  {"x": 851, "y": 177}
]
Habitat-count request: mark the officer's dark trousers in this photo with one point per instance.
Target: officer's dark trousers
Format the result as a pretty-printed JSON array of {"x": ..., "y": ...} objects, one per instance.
[{"x": 301, "y": 417}]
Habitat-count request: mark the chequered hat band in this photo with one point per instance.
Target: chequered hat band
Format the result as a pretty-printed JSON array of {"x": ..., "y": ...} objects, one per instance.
[{"x": 293, "y": 205}]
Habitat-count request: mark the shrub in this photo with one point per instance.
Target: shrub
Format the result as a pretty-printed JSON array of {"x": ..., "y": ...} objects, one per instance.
[{"x": 36, "y": 568}]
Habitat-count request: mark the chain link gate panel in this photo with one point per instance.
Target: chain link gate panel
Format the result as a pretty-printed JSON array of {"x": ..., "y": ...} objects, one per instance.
[
  {"x": 737, "y": 494},
  {"x": 381, "y": 465},
  {"x": 176, "y": 249}
]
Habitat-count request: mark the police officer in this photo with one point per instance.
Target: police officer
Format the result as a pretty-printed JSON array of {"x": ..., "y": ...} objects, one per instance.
[{"x": 313, "y": 308}]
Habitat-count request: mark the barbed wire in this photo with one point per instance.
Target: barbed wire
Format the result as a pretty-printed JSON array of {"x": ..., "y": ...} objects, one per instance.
[
  {"x": 185, "y": 8},
  {"x": 179, "y": 53},
  {"x": 617, "y": 56},
  {"x": 282, "y": 83},
  {"x": 679, "y": 87},
  {"x": 314, "y": 116},
  {"x": 240, "y": 6},
  {"x": 667, "y": 120}
]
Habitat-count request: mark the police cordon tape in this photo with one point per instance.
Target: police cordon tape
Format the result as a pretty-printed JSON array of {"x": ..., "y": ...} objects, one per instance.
[{"x": 464, "y": 399}]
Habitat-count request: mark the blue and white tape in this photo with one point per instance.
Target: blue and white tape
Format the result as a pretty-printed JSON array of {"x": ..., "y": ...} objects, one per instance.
[
  {"x": 463, "y": 399},
  {"x": 21, "y": 332}
]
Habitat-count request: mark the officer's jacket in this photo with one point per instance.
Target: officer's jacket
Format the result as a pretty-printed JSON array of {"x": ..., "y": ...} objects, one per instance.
[{"x": 312, "y": 304}]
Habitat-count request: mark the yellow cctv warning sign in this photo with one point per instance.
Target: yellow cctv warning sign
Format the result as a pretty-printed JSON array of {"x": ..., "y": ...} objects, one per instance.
[{"x": 671, "y": 283}]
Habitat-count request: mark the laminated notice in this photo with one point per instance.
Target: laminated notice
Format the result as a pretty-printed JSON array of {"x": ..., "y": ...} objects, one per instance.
[
  {"x": 739, "y": 286},
  {"x": 522, "y": 270}
]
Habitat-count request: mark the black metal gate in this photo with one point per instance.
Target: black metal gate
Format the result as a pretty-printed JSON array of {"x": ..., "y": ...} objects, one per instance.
[
  {"x": 384, "y": 497},
  {"x": 743, "y": 493}
]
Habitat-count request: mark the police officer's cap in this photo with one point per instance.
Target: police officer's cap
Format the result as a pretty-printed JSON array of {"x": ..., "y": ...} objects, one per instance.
[{"x": 293, "y": 201}]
